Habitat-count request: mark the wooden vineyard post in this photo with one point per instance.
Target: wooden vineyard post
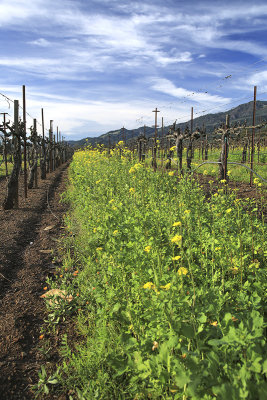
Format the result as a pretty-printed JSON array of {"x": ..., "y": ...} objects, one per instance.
[
  {"x": 190, "y": 144},
  {"x": 5, "y": 143},
  {"x": 17, "y": 155},
  {"x": 12, "y": 199},
  {"x": 34, "y": 158},
  {"x": 24, "y": 141},
  {"x": 226, "y": 144},
  {"x": 253, "y": 135},
  {"x": 224, "y": 151},
  {"x": 43, "y": 157},
  {"x": 54, "y": 152},
  {"x": 50, "y": 146},
  {"x": 35, "y": 154},
  {"x": 154, "y": 159}
]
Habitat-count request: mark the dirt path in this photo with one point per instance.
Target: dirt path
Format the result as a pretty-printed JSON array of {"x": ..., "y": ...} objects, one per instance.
[{"x": 23, "y": 270}]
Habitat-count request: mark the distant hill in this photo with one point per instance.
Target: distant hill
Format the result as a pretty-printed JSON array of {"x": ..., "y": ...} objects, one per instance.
[{"x": 237, "y": 115}]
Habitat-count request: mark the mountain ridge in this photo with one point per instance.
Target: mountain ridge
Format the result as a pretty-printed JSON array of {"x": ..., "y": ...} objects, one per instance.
[{"x": 237, "y": 114}]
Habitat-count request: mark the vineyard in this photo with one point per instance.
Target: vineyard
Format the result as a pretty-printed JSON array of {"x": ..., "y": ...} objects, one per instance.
[
  {"x": 164, "y": 288},
  {"x": 151, "y": 264},
  {"x": 38, "y": 154}
]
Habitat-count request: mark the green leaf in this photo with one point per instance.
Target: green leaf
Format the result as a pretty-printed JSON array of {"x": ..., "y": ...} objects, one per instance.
[
  {"x": 202, "y": 319},
  {"x": 116, "y": 308},
  {"x": 264, "y": 367},
  {"x": 182, "y": 378},
  {"x": 188, "y": 331}
]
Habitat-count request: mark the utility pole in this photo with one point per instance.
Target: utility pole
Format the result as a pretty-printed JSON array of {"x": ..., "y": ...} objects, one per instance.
[
  {"x": 156, "y": 111},
  {"x": 24, "y": 141},
  {"x": 5, "y": 149},
  {"x": 253, "y": 134}
]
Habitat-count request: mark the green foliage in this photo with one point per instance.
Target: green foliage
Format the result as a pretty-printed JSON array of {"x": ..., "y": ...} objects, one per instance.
[{"x": 168, "y": 288}]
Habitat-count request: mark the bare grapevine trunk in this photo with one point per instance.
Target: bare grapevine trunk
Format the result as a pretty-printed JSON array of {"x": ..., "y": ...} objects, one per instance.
[
  {"x": 11, "y": 199},
  {"x": 179, "y": 149},
  {"x": 223, "y": 159}
]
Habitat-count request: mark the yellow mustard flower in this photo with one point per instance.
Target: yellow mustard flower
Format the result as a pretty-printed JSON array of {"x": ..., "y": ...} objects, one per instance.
[
  {"x": 166, "y": 287},
  {"x": 111, "y": 201},
  {"x": 149, "y": 285},
  {"x": 228, "y": 210},
  {"x": 176, "y": 239},
  {"x": 99, "y": 248},
  {"x": 187, "y": 212},
  {"x": 176, "y": 258},
  {"x": 147, "y": 249},
  {"x": 131, "y": 190},
  {"x": 171, "y": 173},
  {"x": 182, "y": 271},
  {"x": 178, "y": 223},
  {"x": 214, "y": 323},
  {"x": 172, "y": 148},
  {"x": 115, "y": 232}
]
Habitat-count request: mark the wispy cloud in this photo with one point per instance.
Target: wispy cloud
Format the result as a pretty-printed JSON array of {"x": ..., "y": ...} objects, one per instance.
[
  {"x": 99, "y": 54},
  {"x": 40, "y": 42}
]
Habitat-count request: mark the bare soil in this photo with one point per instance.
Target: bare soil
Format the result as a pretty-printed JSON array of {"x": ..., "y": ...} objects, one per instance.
[{"x": 23, "y": 271}]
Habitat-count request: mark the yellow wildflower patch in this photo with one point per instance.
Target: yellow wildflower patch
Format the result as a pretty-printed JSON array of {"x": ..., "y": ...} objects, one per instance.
[
  {"x": 178, "y": 223},
  {"x": 176, "y": 239},
  {"x": 182, "y": 271}
]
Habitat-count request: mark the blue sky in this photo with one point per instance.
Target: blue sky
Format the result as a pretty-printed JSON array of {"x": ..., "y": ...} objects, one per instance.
[{"x": 96, "y": 66}]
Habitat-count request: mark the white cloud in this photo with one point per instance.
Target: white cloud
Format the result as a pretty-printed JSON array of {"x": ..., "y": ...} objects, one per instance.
[
  {"x": 259, "y": 78},
  {"x": 166, "y": 86},
  {"x": 40, "y": 42}
]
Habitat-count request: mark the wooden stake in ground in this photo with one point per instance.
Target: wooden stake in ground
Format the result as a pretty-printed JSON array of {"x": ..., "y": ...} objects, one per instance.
[
  {"x": 12, "y": 195},
  {"x": 189, "y": 151},
  {"x": 154, "y": 160},
  {"x": 43, "y": 158},
  {"x": 33, "y": 162},
  {"x": 5, "y": 143},
  {"x": 50, "y": 146},
  {"x": 253, "y": 135},
  {"x": 24, "y": 141}
]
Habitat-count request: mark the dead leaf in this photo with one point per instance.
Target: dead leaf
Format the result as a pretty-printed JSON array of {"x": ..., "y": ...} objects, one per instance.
[
  {"x": 45, "y": 251},
  {"x": 48, "y": 228},
  {"x": 54, "y": 293}
]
